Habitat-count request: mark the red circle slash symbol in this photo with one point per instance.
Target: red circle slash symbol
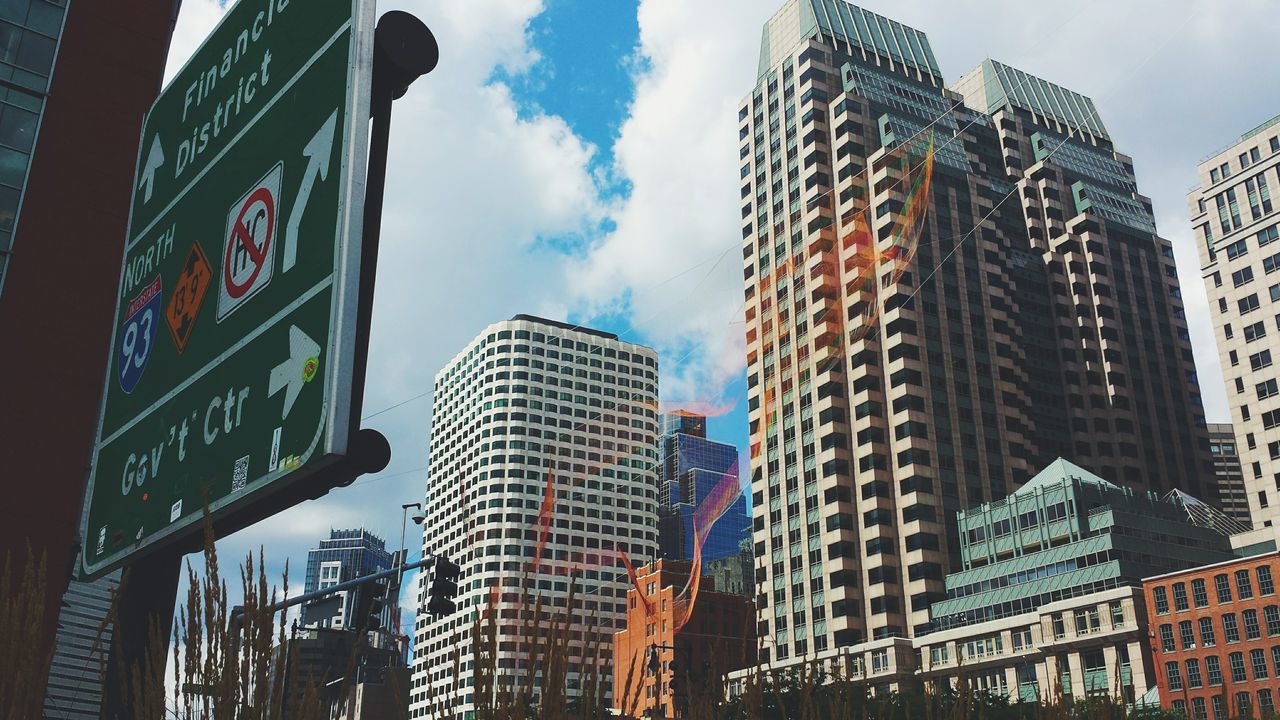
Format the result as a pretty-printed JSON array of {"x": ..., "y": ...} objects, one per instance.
[{"x": 241, "y": 236}]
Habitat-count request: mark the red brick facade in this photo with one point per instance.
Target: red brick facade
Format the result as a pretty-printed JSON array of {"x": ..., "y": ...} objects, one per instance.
[
  {"x": 719, "y": 637},
  {"x": 1215, "y": 637}
]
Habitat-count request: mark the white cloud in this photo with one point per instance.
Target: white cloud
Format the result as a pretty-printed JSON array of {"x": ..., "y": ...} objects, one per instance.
[
  {"x": 195, "y": 20},
  {"x": 674, "y": 260}
]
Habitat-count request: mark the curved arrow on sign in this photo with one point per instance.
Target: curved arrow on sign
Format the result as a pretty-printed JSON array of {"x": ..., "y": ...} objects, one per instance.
[{"x": 320, "y": 150}]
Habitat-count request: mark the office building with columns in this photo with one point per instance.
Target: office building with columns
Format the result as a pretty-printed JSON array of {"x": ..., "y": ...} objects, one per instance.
[
  {"x": 528, "y": 396},
  {"x": 946, "y": 289},
  {"x": 1236, "y": 226}
]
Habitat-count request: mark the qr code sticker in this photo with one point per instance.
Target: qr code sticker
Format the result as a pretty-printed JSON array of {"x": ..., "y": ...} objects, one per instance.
[{"x": 240, "y": 475}]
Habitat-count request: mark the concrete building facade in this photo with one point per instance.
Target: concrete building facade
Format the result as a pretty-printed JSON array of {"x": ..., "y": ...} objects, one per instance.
[
  {"x": 1083, "y": 646},
  {"x": 526, "y": 396},
  {"x": 690, "y": 661},
  {"x": 1234, "y": 217},
  {"x": 903, "y": 246},
  {"x": 1215, "y": 637}
]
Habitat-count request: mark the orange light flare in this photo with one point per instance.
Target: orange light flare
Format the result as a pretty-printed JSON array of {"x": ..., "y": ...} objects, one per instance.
[{"x": 697, "y": 408}]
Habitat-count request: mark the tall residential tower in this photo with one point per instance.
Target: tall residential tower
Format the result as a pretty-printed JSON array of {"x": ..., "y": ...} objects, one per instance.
[
  {"x": 1236, "y": 224},
  {"x": 946, "y": 289},
  {"x": 529, "y": 396}
]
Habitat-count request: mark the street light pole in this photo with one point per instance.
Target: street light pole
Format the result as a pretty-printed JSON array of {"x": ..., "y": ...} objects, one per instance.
[{"x": 418, "y": 518}]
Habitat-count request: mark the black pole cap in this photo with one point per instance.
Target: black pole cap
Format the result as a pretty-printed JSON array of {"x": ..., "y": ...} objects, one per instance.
[{"x": 404, "y": 50}]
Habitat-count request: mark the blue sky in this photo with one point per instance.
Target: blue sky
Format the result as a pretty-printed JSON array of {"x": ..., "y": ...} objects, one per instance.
[
  {"x": 584, "y": 74},
  {"x": 588, "y": 57}
]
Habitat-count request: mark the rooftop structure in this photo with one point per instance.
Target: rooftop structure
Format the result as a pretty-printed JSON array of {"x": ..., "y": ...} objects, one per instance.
[{"x": 1069, "y": 533}]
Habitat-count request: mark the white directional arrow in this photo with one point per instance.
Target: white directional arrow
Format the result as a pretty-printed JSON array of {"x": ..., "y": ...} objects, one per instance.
[
  {"x": 320, "y": 150},
  {"x": 291, "y": 374},
  {"x": 155, "y": 159}
]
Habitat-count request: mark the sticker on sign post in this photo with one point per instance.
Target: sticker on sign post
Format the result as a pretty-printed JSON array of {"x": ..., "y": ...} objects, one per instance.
[{"x": 249, "y": 243}]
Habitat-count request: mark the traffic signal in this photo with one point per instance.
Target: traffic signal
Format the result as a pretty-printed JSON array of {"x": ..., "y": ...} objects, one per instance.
[
  {"x": 372, "y": 602},
  {"x": 444, "y": 587},
  {"x": 654, "y": 663}
]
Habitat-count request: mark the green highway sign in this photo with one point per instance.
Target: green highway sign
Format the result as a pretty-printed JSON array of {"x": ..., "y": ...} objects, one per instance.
[{"x": 232, "y": 357}]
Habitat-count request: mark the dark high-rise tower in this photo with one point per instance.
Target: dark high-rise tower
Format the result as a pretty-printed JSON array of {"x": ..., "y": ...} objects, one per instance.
[{"x": 945, "y": 290}]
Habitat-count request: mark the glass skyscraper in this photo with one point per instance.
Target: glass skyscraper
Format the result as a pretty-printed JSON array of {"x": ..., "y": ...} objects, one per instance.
[
  {"x": 346, "y": 555},
  {"x": 693, "y": 467},
  {"x": 29, "y": 31}
]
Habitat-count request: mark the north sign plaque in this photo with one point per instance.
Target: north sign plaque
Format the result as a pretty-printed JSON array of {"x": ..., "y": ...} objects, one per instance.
[{"x": 231, "y": 363}]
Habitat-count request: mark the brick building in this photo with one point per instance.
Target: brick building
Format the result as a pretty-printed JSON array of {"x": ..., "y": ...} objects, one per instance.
[
  {"x": 718, "y": 638},
  {"x": 1215, "y": 637}
]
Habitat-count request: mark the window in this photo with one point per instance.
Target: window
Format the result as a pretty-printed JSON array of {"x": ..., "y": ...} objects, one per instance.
[
  {"x": 1188, "y": 636},
  {"x": 1172, "y": 671},
  {"x": 1244, "y": 587},
  {"x": 1166, "y": 638},
  {"x": 1238, "y": 673},
  {"x": 1266, "y": 703},
  {"x": 1248, "y": 304},
  {"x": 1268, "y": 235},
  {"x": 1258, "y": 330},
  {"x": 1265, "y": 584},
  {"x": 1242, "y": 276},
  {"x": 1237, "y": 248},
  {"x": 1213, "y": 669},
  {"x": 1243, "y": 698},
  {"x": 1161, "y": 597},
  {"x": 879, "y": 660},
  {"x": 1193, "y": 674},
  {"x": 1198, "y": 593},
  {"x": 1206, "y": 632},
  {"x": 1275, "y": 658},
  {"x": 1251, "y": 630},
  {"x": 1258, "y": 659},
  {"x": 1223, "y": 586},
  {"x": 1272, "y": 615},
  {"x": 1257, "y": 361},
  {"x": 1198, "y": 711},
  {"x": 1230, "y": 630},
  {"x": 1180, "y": 597},
  {"x": 1266, "y": 389}
]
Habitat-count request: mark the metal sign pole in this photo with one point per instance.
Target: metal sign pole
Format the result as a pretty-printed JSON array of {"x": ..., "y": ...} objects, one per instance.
[{"x": 144, "y": 608}]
